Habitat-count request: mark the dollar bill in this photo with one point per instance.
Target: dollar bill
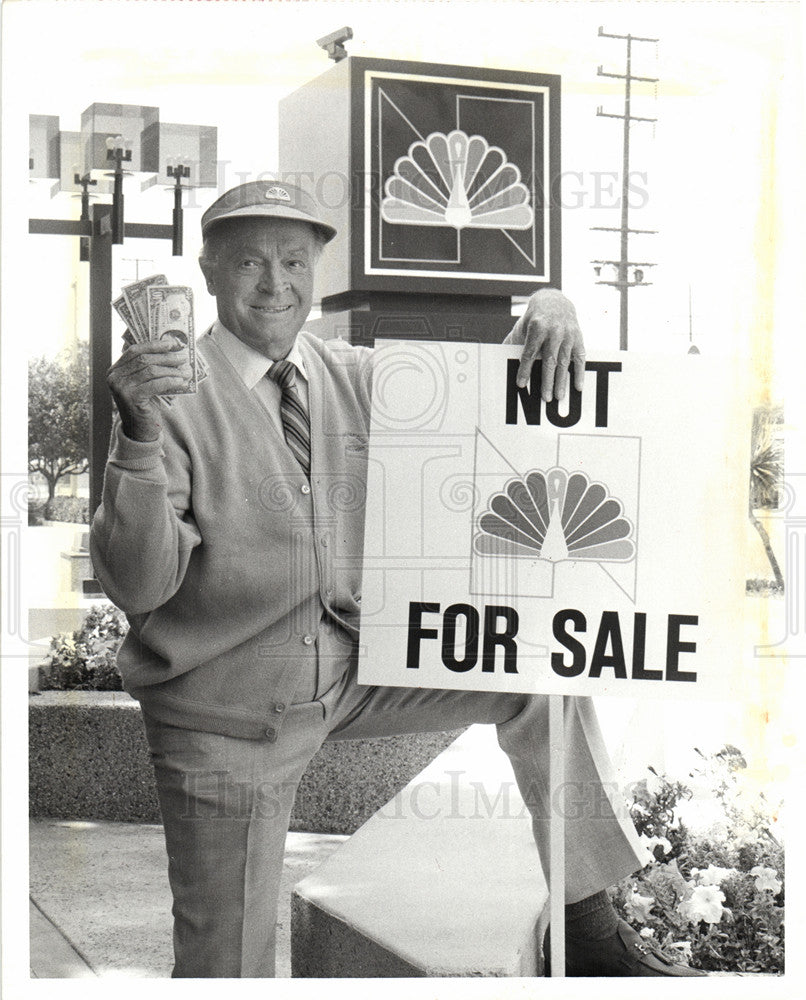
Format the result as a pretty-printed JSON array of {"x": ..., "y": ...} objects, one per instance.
[
  {"x": 122, "y": 309},
  {"x": 170, "y": 317},
  {"x": 136, "y": 298}
]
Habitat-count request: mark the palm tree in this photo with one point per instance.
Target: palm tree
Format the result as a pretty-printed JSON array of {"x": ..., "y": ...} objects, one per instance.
[{"x": 766, "y": 471}]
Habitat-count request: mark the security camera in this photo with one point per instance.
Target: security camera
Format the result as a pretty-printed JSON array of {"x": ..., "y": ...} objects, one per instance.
[{"x": 333, "y": 43}]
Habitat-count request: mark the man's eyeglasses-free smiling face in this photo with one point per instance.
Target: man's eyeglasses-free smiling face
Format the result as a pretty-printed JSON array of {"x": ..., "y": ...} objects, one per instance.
[{"x": 261, "y": 273}]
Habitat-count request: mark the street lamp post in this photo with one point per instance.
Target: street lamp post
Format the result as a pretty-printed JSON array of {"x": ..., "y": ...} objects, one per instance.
[
  {"x": 178, "y": 171},
  {"x": 84, "y": 183},
  {"x": 135, "y": 136},
  {"x": 119, "y": 152}
]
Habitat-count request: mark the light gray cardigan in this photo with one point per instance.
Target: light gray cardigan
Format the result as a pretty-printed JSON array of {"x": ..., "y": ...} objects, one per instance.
[{"x": 221, "y": 556}]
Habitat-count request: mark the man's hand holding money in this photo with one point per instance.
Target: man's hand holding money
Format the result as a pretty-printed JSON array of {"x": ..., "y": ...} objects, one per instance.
[
  {"x": 159, "y": 359},
  {"x": 141, "y": 374}
]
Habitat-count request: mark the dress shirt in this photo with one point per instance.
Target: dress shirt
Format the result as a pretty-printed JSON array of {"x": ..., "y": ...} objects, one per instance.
[{"x": 252, "y": 366}]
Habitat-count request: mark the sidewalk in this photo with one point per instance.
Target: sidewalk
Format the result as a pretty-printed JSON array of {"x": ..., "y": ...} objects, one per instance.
[{"x": 100, "y": 902}]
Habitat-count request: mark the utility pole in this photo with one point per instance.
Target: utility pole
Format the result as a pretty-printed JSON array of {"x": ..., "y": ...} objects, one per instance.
[
  {"x": 623, "y": 264},
  {"x": 692, "y": 347}
]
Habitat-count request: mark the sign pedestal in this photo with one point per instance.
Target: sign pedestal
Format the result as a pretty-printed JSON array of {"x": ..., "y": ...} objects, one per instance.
[{"x": 454, "y": 318}]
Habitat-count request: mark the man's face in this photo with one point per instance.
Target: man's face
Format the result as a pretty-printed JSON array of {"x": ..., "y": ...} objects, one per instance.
[{"x": 262, "y": 279}]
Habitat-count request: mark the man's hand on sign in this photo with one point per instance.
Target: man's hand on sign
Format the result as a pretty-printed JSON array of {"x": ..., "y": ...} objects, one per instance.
[
  {"x": 143, "y": 372},
  {"x": 549, "y": 331}
]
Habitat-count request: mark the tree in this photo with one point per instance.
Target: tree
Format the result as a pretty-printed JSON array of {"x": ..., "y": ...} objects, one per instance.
[
  {"x": 59, "y": 416},
  {"x": 766, "y": 473}
]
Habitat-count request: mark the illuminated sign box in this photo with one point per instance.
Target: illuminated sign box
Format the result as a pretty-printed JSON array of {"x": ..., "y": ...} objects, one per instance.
[{"x": 438, "y": 178}]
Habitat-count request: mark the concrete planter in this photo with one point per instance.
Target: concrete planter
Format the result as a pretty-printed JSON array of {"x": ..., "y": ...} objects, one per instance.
[{"x": 88, "y": 760}]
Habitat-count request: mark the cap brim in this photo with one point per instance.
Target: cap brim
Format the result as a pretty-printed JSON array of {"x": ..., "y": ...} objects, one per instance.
[{"x": 272, "y": 212}]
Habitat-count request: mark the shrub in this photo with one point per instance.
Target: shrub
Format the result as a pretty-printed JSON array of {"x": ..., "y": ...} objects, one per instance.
[
  {"x": 73, "y": 509},
  {"x": 36, "y": 514},
  {"x": 713, "y": 900},
  {"x": 85, "y": 660}
]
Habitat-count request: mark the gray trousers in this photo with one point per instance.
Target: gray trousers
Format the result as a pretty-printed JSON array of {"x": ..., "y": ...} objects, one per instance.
[{"x": 226, "y": 804}]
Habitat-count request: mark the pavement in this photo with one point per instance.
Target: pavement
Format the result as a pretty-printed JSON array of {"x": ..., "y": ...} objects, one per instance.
[{"x": 100, "y": 905}]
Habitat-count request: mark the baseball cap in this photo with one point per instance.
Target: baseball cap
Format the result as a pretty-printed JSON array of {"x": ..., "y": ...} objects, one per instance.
[{"x": 266, "y": 199}]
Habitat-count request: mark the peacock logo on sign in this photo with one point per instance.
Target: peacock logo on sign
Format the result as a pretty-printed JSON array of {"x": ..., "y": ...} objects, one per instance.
[
  {"x": 456, "y": 180},
  {"x": 555, "y": 516}
]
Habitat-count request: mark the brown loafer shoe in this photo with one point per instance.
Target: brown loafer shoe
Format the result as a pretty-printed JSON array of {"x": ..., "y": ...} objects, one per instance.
[{"x": 624, "y": 953}]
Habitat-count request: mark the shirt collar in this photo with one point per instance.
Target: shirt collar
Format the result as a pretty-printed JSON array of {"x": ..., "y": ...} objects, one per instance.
[{"x": 250, "y": 364}]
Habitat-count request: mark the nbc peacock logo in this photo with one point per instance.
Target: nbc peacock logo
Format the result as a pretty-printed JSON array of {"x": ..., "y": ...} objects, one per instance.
[
  {"x": 456, "y": 180},
  {"x": 555, "y": 515}
]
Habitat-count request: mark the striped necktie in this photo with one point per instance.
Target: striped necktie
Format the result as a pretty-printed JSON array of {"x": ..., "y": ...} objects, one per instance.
[{"x": 296, "y": 425}]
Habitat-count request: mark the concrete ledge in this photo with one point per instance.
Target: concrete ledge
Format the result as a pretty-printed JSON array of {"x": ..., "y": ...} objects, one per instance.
[
  {"x": 348, "y": 781},
  {"x": 88, "y": 760},
  {"x": 445, "y": 880}
]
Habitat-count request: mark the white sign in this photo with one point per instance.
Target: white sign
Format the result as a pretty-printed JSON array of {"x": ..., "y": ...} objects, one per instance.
[{"x": 593, "y": 546}]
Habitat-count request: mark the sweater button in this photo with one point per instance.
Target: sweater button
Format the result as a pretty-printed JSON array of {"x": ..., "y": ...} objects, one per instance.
[
  {"x": 305, "y": 488},
  {"x": 279, "y": 708},
  {"x": 271, "y": 735},
  {"x": 307, "y": 639}
]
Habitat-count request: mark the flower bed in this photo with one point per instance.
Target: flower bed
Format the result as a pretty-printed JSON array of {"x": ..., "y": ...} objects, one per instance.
[
  {"x": 714, "y": 900},
  {"x": 85, "y": 660}
]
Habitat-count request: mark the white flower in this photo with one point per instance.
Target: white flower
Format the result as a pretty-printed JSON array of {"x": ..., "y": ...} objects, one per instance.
[
  {"x": 765, "y": 879},
  {"x": 718, "y": 832},
  {"x": 647, "y": 932},
  {"x": 713, "y": 875},
  {"x": 705, "y": 903},
  {"x": 653, "y": 783},
  {"x": 638, "y": 906},
  {"x": 652, "y": 842},
  {"x": 684, "y": 947}
]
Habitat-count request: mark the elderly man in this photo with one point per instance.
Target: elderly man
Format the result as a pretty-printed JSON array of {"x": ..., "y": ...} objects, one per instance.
[{"x": 243, "y": 642}]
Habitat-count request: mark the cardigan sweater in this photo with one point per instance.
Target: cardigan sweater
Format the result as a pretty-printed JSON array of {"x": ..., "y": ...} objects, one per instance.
[{"x": 232, "y": 569}]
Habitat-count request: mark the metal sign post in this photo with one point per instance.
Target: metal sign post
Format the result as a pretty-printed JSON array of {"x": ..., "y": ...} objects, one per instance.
[{"x": 557, "y": 833}]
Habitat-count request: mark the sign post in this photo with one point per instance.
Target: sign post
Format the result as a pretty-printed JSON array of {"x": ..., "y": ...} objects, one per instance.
[{"x": 557, "y": 833}]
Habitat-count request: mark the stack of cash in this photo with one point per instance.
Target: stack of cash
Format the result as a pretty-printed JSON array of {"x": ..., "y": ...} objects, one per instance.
[{"x": 154, "y": 310}]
